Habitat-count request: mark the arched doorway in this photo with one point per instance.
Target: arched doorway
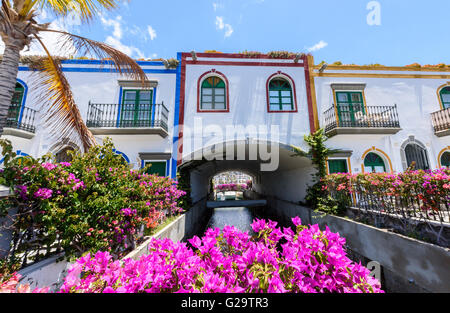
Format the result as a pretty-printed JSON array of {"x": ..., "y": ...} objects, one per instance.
[
  {"x": 65, "y": 155},
  {"x": 230, "y": 185},
  {"x": 417, "y": 154},
  {"x": 373, "y": 163},
  {"x": 445, "y": 159}
]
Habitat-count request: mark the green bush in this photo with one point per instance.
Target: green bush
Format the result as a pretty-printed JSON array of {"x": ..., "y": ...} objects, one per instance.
[{"x": 94, "y": 203}]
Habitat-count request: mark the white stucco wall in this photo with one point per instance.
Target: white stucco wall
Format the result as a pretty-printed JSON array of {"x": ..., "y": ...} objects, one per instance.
[
  {"x": 247, "y": 102},
  {"x": 96, "y": 84},
  {"x": 416, "y": 99}
]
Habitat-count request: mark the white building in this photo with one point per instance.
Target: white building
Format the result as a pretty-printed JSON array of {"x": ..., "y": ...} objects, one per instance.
[
  {"x": 256, "y": 106},
  {"x": 385, "y": 117}
]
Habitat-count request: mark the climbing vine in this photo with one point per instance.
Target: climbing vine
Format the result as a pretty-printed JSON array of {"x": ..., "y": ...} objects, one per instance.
[{"x": 317, "y": 198}]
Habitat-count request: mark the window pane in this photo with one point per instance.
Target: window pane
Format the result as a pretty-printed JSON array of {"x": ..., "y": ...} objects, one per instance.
[
  {"x": 275, "y": 101},
  {"x": 207, "y": 91},
  {"x": 287, "y": 108},
  {"x": 285, "y": 93},
  {"x": 219, "y": 91},
  {"x": 206, "y": 105},
  {"x": 130, "y": 95},
  {"x": 207, "y": 99},
  {"x": 219, "y": 99},
  {"x": 273, "y": 93},
  {"x": 342, "y": 97},
  {"x": 274, "y": 107},
  {"x": 286, "y": 100},
  {"x": 219, "y": 106},
  {"x": 446, "y": 97},
  {"x": 356, "y": 97},
  {"x": 145, "y": 95}
]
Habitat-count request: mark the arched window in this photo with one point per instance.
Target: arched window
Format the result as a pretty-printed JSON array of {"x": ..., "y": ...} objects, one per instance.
[
  {"x": 373, "y": 163},
  {"x": 280, "y": 95},
  {"x": 213, "y": 94},
  {"x": 445, "y": 97},
  {"x": 445, "y": 159},
  {"x": 64, "y": 155},
  {"x": 416, "y": 153},
  {"x": 16, "y": 105}
]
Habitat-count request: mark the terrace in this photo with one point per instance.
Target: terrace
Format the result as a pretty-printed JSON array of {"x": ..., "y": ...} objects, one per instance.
[
  {"x": 20, "y": 122},
  {"x": 118, "y": 119},
  {"x": 441, "y": 122},
  {"x": 348, "y": 120}
]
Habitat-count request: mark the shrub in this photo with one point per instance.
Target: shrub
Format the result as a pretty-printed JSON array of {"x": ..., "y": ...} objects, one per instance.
[
  {"x": 231, "y": 187},
  {"x": 428, "y": 188},
  {"x": 10, "y": 284},
  {"x": 94, "y": 203},
  {"x": 273, "y": 261}
]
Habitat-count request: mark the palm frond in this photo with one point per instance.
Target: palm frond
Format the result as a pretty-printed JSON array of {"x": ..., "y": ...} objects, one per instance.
[
  {"x": 62, "y": 117},
  {"x": 121, "y": 62},
  {"x": 86, "y": 9}
]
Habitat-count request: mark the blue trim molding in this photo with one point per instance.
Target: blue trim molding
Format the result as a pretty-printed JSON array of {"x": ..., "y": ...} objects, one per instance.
[
  {"x": 19, "y": 153},
  {"x": 123, "y": 155},
  {"x": 176, "y": 119},
  {"x": 101, "y": 70},
  {"x": 120, "y": 106},
  {"x": 108, "y": 62}
]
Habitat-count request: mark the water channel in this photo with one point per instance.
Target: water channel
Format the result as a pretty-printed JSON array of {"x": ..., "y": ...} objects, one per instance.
[{"x": 239, "y": 217}]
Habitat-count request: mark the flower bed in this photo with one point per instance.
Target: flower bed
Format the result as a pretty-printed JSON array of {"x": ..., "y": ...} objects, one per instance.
[
  {"x": 95, "y": 203},
  {"x": 411, "y": 197},
  {"x": 274, "y": 261},
  {"x": 231, "y": 187}
]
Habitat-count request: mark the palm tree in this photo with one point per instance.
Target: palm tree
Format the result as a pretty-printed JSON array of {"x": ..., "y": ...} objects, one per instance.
[{"x": 18, "y": 28}]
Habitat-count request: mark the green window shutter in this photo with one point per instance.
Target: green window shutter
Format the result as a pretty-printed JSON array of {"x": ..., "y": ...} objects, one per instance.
[
  {"x": 136, "y": 110},
  {"x": 445, "y": 159},
  {"x": 158, "y": 168},
  {"x": 280, "y": 95},
  {"x": 445, "y": 97},
  {"x": 350, "y": 106},
  {"x": 213, "y": 94},
  {"x": 16, "y": 105},
  {"x": 374, "y": 163},
  {"x": 337, "y": 166}
]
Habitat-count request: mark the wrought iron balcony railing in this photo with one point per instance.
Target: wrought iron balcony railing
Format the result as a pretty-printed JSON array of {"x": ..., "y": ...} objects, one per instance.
[
  {"x": 21, "y": 118},
  {"x": 441, "y": 122},
  {"x": 128, "y": 116},
  {"x": 370, "y": 119}
]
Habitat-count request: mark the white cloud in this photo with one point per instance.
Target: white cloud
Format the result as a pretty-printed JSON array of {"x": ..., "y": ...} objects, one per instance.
[
  {"x": 217, "y": 6},
  {"x": 115, "y": 40},
  {"x": 221, "y": 25},
  {"x": 53, "y": 40},
  {"x": 320, "y": 45},
  {"x": 128, "y": 50},
  {"x": 151, "y": 32},
  {"x": 116, "y": 24}
]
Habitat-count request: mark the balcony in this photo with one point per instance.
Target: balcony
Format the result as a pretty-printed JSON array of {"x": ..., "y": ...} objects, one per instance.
[
  {"x": 347, "y": 120},
  {"x": 20, "y": 122},
  {"x": 441, "y": 122},
  {"x": 115, "y": 119}
]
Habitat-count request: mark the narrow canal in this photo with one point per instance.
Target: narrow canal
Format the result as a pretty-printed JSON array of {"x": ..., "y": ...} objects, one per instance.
[{"x": 239, "y": 217}]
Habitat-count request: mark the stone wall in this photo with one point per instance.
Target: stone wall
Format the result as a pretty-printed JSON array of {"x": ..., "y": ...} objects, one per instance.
[{"x": 408, "y": 265}]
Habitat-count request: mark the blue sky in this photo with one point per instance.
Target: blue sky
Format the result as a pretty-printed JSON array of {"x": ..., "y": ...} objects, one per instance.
[{"x": 410, "y": 31}]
